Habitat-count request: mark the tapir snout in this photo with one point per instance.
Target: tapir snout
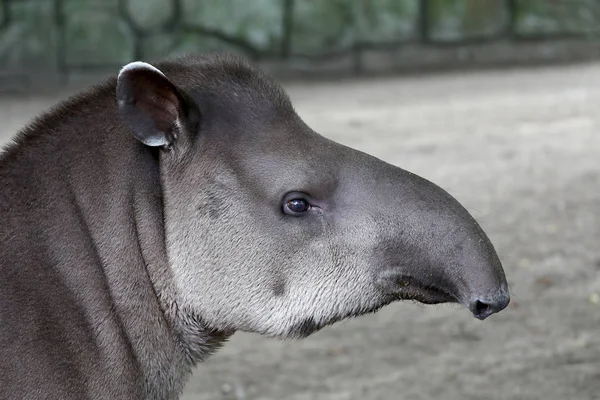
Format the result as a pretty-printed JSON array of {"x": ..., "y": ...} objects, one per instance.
[{"x": 430, "y": 248}]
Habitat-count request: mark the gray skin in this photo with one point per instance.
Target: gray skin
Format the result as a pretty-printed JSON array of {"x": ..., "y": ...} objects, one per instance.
[{"x": 139, "y": 231}]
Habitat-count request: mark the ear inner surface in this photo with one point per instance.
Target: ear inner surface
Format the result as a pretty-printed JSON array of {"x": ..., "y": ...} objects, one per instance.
[{"x": 150, "y": 104}]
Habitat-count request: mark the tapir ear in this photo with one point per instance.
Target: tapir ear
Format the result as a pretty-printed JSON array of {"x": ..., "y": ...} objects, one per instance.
[{"x": 150, "y": 104}]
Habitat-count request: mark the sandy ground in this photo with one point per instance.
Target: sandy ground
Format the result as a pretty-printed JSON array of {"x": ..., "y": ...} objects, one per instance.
[{"x": 521, "y": 150}]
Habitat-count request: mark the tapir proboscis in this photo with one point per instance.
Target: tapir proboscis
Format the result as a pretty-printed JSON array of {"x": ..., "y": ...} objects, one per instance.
[{"x": 147, "y": 219}]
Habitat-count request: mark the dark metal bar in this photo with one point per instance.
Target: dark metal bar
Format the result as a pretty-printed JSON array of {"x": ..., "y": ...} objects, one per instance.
[
  {"x": 512, "y": 10},
  {"x": 358, "y": 17},
  {"x": 241, "y": 43},
  {"x": 424, "y": 25},
  {"x": 175, "y": 18},
  {"x": 61, "y": 40},
  {"x": 287, "y": 28},
  {"x": 6, "y": 14},
  {"x": 134, "y": 31}
]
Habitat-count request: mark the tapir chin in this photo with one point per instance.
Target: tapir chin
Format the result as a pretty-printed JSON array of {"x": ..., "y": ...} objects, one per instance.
[{"x": 147, "y": 219}]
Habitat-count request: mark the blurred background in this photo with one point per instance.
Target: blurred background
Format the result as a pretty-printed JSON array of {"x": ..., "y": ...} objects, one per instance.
[
  {"x": 494, "y": 100},
  {"x": 54, "y": 40}
]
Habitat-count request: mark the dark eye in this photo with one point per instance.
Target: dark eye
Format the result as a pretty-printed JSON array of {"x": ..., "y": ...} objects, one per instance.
[{"x": 296, "y": 206}]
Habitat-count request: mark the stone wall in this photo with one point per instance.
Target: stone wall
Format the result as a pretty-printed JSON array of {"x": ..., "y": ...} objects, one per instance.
[{"x": 56, "y": 39}]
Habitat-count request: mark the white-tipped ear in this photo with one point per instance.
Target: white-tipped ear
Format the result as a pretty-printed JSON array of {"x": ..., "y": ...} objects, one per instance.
[
  {"x": 139, "y": 65},
  {"x": 150, "y": 104}
]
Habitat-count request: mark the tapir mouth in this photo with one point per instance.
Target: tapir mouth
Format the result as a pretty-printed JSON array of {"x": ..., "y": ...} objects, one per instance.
[
  {"x": 398, "y": 286},
  {"x": 404, "y": 287},
  {"x": 425, "y": 294}
]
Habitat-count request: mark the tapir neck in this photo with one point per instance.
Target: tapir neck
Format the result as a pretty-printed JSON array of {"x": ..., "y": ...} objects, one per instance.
[{"x": 91, "y": 196}]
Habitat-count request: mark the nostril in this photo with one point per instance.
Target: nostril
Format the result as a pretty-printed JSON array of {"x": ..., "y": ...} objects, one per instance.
[
  {"x": 484, "y": 307},
  {"x": 481, "y": 308}
]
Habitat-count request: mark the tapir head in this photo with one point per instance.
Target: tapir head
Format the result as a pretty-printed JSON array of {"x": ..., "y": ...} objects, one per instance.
[{"x": 272, "y": 228}]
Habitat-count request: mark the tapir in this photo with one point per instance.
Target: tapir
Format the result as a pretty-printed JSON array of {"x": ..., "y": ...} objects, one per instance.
[{"x": 148, "y": 218}]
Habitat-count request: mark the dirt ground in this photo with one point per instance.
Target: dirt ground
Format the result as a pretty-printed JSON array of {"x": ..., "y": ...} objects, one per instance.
[{"x": 521, "y": 150}]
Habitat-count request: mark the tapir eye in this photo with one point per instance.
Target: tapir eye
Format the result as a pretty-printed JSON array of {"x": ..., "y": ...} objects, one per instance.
[{"x": 296, "y": 206}]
